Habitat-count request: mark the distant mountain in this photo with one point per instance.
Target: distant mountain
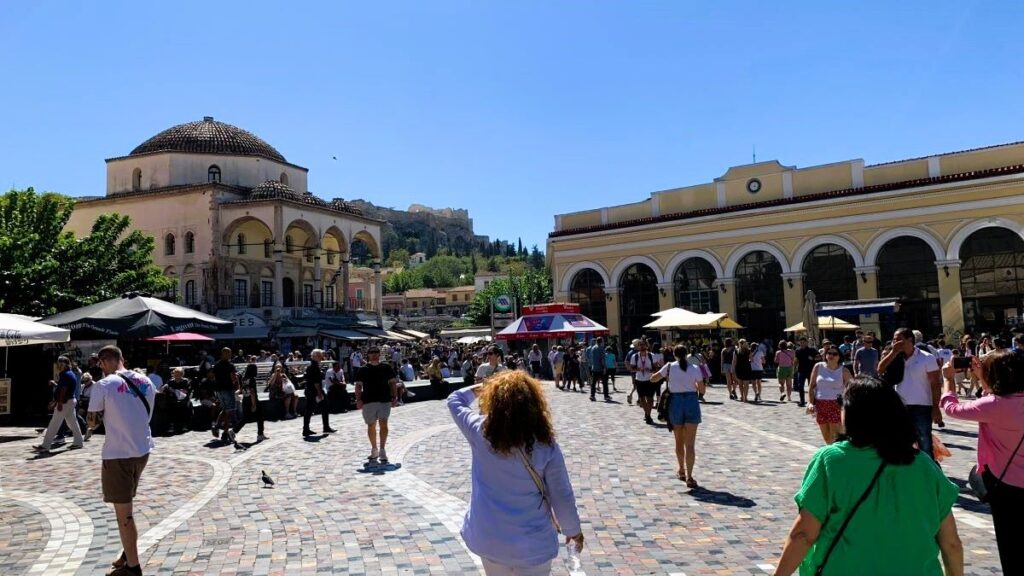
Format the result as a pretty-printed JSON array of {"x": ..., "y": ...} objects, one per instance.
[{"x": 424, "y": 229}]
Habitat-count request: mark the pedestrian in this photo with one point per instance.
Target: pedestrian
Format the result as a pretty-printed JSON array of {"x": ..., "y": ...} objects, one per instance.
[
  {"x": 696, "y": 359},
  {"x": 520, "y": 483},
  {"x": 872, "y": 503},
  {"x": 227, "y": 383},
  {"x": 609, "y": 365},
  {"x": 757, "y": 360},
  {"x": 728, "y": 368},
  {"x": 315, "y": 395},
  {"x": 337, "y": 388},
  {"x": 468, "y": 369},
  {"x": 438, "y": 386},
  {"x": 251, "y": 407},
  {"x": 919, "y": 386},
  {"x": 65, "y": 405},
  {"x": 683, "y": 410},
  {"x": 534, "y": 358},
  {"x": 376, "y": 395},
  {"x": 865, "y": 360},
  {"x": 126, "y": 399},
  {"x": 595, "y": 353},
  {"x": 806, "y": 358},
  {"x": 642, "y": 367},
  {"x": 828, "y": 381},
  {"x": 493, "y": 365},
  {"x": 742, "y": 368},
  {"x": 784, "y": 360},
  {"x": 1000, "y": 435}
]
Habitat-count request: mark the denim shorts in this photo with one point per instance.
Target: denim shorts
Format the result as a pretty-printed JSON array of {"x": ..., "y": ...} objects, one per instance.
[
  {"x": 683, "y": 408},
  {"x": 227, "y": 399}
]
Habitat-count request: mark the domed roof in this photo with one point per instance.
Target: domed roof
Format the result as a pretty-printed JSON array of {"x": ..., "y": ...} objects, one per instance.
[
  {"x": 273, "y": 189},
  {"x": 210, "y": 137}
]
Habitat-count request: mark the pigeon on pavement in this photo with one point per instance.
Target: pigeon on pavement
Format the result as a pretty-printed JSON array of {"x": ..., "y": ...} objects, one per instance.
[{"x": 267, "y": 481}]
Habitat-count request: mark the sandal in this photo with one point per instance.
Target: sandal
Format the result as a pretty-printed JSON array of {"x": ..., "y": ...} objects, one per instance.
[
  {"x": 681, "y": 475},
  {"x": 691, "y": 483},
  {"x": 121, "y": 561}
]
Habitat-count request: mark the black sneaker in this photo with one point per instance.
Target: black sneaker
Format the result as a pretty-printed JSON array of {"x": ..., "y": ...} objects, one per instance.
[{"x": 307, "y": 433}]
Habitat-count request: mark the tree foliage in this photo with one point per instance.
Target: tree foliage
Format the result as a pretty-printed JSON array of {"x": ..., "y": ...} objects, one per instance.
[
  {"x": 44, "y": 270},
  {"x": 529, "y": 286}
]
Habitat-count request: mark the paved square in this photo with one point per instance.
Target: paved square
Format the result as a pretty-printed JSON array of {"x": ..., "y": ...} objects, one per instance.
[{"x": 202, "y": 509}]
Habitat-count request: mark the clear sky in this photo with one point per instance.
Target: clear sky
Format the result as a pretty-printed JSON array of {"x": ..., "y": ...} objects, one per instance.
[{"x": 516, "y": 110}]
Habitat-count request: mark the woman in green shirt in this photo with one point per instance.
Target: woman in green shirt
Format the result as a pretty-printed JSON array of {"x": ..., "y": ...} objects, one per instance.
[{"x": 904, "y": 517}]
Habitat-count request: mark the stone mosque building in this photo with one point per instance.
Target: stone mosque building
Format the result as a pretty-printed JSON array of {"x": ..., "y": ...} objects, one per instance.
[
  {"x": 940, "y": 237},
  {"x": 238, "y": 229}
]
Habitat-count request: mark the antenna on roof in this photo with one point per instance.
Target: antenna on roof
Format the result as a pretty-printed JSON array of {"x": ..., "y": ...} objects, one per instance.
[{"x": 753, "y": 150}]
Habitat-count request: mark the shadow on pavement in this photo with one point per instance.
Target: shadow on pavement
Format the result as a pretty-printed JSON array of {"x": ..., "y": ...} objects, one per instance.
[
  {"x": 314, "y": 437},
  {"x": 379, "y": 469},
  {"x": 958, "y": 433},
  {"x": 723, "y": 498}
]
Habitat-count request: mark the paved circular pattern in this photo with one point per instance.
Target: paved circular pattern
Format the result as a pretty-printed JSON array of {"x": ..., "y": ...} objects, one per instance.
[{"x": 206, "y": 512}]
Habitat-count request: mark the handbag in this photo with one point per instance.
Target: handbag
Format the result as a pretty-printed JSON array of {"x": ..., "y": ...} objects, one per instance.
[
  {"x": 976, "y": 479},
  {"x": 846, "y": 522},
  {"x": 135, "y": 389},
  {"x": 541, "y": 487}
]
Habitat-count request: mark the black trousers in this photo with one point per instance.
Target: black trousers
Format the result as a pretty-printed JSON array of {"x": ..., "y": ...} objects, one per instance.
[
  {"x": 337, "y": 398},
  {"x": 1007, "y": 504},
  {"x": 249, "y": 414},
  {"x": 594, "y": 377},
  {"x": 311, "y": 406}
]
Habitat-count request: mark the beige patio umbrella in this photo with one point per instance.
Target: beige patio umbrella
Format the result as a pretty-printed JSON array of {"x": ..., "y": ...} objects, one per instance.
[
  {"x": 682, "y": 319},
  {"x": 826, "y": 323},
  {"x": 811, "y": 318}
]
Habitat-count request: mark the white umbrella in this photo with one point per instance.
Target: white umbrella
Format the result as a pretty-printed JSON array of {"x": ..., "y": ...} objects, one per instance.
[{"x": 18, "y": 330}]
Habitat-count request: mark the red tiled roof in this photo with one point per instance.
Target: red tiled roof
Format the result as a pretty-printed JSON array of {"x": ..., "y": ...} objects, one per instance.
[{"x": 845, "y": 192}]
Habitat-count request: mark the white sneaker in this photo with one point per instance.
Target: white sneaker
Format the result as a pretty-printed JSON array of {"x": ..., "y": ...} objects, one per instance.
[
  {"x": 373, "y": 454},
  {"x": 383, "y": 456}
]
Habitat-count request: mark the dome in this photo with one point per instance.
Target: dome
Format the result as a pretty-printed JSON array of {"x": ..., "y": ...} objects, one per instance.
[
  {"x": 273, "y": 189},
  {"x": 209, "y": 137}
]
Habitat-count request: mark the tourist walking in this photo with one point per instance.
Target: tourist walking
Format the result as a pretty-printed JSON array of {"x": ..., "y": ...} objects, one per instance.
[
  {"x": 784, "y": 361},
  {"x": 376, "y": 395},
  {"x": 865, "y": 359},
  {"x": 65, "y": 405},
  {"x": 534, "y": 357},
  {"x": 742, "y": 369},
  {"x": 757, "y": 359},
  {"x": 806, "y": 358},
  {"x": 828, "y": 381},
  {"x": 872, "y": 503},
  {"x": 728, "y": 367},
  {"x": 642, "y": 366},
  {"x": 920, "y": 385},
  {"x": 519, "y": 479},
  {"x": 683, "y": 410},
  {"x": 609, "y": 366},
  {"x": 315, "y": 394},
  {"x": 595, "y": 355},
  {"x": 126, "y": 400},
  {"x": 1000, "y": 435},
  {"x": 251, "y": 407},
  {"x": 226, "y": 384}
]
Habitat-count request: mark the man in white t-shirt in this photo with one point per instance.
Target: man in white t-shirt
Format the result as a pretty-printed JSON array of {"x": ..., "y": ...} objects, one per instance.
[
  {"x": 126, "y": 400},
  {"x": 919, "y": 387},
  {"x": 355, "y": 362},
  {"x": 757, "y": 369},
  {"x": 492, "y": 366},
  {"x": 643, "y": 365}
]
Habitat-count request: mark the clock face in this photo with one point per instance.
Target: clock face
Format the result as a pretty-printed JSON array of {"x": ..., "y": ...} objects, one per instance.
[{"x": 753, "y": 186}]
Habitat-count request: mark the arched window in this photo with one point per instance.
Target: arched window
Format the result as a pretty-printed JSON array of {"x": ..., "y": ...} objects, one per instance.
[
  {"x": 289, "y": 244},
  {"x": 906, "y": 270},
  {"x": 587, "y": 290},
  {"x": 638, "y": 301},
  {"x": 760, "y": 302},
  {"x": 190, "y": 243},
  {"x": 241, "y": 243},
  {"x": 213, "y": 173},
  {"x": 137, "y": 179},
  {"x": 828, "y": 271},
  {"x": 330, "y": 257},
  {"x": 267, "y": 251},
  {"x": 992, "y": 280},
  {"x": 694, "y": 284},
  {"x": 284, "y": 178},
  {"x": 190, "y": 293},
  {"x": 169, "y": 245}
]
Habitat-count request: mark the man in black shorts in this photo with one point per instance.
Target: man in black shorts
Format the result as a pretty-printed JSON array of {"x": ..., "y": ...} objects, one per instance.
[
  {"x": 376, "y": 395},
  {"x": 642, "y": 366}
]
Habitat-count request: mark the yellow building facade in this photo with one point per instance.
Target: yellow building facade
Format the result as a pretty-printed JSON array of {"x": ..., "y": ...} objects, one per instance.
[{"x": 940, "y": 234}]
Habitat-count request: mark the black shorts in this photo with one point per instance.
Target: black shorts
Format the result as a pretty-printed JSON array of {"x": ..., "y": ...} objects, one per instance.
[
  {"x": 756, "y": 374},
  {"x": 646, "y": 389}
]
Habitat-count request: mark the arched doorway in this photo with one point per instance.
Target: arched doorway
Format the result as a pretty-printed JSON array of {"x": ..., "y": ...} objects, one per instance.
[
  {"x": 639, "y": 299},
  {"x": 828, "y": 271},
  {"x": 587, "y": 290},
  {"x": 906, "y": 270},
  {"x": 992, "y": 280},
  {"x": 694, "y": 286},
  {"x": 288, "y": 292},
  {"x": 760, "y": 303}
]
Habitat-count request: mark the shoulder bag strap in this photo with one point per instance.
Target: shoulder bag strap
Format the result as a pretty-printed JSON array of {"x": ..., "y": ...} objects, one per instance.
[
  {"x": 839, "y": 534},
  {"x": 136, "y": 390},
  {"x": 1012, "y": 456},
  {"x": 540, "y": 486}
]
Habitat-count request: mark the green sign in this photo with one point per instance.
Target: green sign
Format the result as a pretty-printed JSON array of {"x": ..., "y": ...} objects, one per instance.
[{"x": 503, "y": 303}]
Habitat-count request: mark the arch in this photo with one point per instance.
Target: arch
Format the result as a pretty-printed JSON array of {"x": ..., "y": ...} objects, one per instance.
[
  {"x": 170, "y": 271},
  {"x": 586, "y": 288},
  {"x": 371, "y": 243},
  {"x": 307, "y": 275},
  {"x": 992, "y": 279},
  {"x": 301, "y": 233},
  {"x": 685, "y": 255},
  {"x": 190, "y": 269},
  {"x": 624, "y": 264},
  {"x": 334, "y": 245},
  {"x": 266, "y": 272},
  {"x": 137, "y": 179},
  {"x": 240, "y": 269},
  {"x": 571, "y": 272},
  {"x": 694, "y": 285},
  {"x": 190, "y": 293},
  {"x": 807, "y": 247},
  {"x": 871, "y": 257},
  {"x": 283, "y": 179},
  {"x": 169, "y": 244},
  {"x": 213, "y": 173},
  {"x": 739, "y": 253},
  {"x": 250, "y": 226},
  {"x": 190, "y": 242},
  {"x": 829, "y": 270},
  {"x": 957, "y": 242}
]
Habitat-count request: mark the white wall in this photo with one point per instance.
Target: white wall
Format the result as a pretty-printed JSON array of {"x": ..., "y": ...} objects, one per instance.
[{"x": 177, "y": 169}]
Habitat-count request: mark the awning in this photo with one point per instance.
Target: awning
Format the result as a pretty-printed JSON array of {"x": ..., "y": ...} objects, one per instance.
[
  {"x": 297, "y": 332},
  {"x": 245, "y": 333},
  {"x": 339, "y": 334},
  {"x": 683, "y": 319},
  {"x": 397, "y": 336},
  {"x": 373, "y": 332},
  {"x": 413, "y": 333},
  {"x": 826, "y": 323},
  {"x": 460, "y": 332},
  {"x": 850, "y": 307}
]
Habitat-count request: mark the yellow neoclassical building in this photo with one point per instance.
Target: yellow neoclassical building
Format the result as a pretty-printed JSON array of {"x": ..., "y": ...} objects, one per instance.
[{"x": 942, "y": 234}]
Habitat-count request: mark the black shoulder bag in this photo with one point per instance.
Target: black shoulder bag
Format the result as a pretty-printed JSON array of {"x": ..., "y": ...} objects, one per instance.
[
  {"x": 136, "y": 390},
  {"x": 977, "y": 480},
  {"x": 835, "y": 539}
]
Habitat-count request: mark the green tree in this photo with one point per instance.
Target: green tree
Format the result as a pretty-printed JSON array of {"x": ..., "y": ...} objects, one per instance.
[
  {"x": 402, "y": 280},
  {"x": 529, "y": 287},
  {"x": 44, "y": 270},
  {"x": 398, "y": 258},
  {"x": 536, "y": 258}
]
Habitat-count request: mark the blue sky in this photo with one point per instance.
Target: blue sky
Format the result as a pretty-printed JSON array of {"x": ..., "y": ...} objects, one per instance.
[{"x": 514, "y": 110}]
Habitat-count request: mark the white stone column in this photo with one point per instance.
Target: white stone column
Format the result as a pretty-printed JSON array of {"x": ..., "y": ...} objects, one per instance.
[
  {"x": 318, "y": 288},
  {"x": 378, "y": 290},
  {"x": 344, "y": 283}
]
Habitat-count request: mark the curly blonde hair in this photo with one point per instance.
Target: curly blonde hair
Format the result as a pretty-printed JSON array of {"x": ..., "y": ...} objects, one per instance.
[{"x": 517, "y": 412}]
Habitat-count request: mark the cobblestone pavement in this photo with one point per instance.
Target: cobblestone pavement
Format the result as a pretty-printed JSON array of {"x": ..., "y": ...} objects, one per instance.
[{"x": 201, "y": 508}]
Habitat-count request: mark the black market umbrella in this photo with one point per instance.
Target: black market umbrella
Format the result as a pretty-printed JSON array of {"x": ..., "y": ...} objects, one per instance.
[{"x": 135, "y": 315}]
